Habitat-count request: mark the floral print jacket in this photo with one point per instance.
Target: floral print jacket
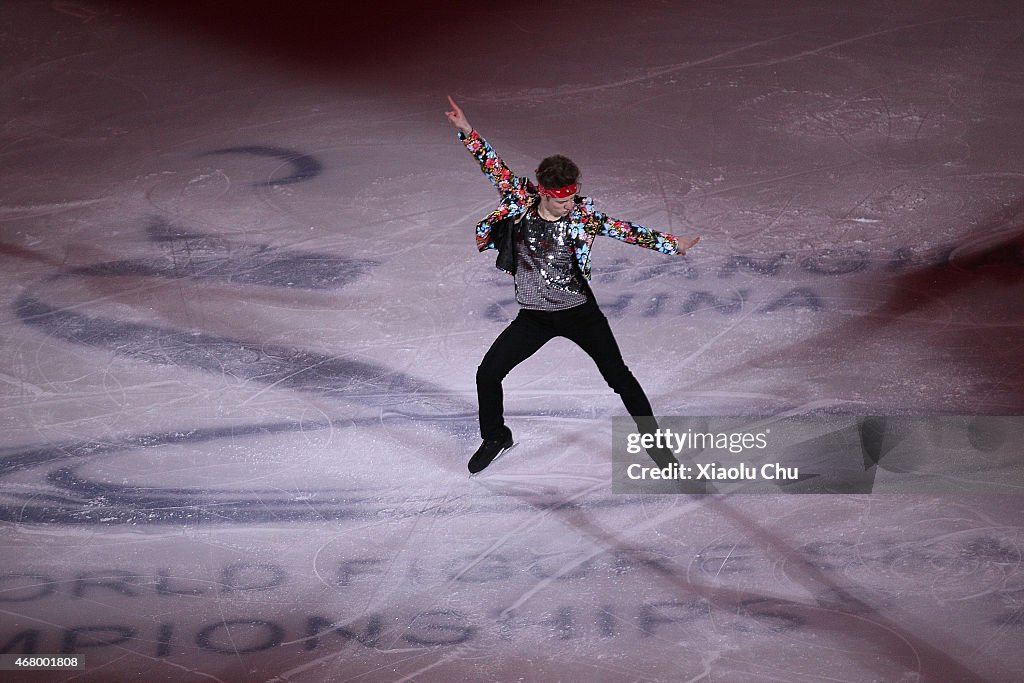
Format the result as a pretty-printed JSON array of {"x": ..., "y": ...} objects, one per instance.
[{"x": 585, "y": 222}]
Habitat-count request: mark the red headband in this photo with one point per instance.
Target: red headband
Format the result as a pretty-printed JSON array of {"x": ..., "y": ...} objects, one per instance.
[{"x": 558, "y": 192}]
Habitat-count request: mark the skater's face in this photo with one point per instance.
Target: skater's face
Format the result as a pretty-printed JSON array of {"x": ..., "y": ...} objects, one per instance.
[{"x": 554, "y": 206}]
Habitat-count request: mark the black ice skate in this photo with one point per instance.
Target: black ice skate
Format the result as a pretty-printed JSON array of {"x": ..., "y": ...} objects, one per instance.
[{"x": 488, "y": 451}]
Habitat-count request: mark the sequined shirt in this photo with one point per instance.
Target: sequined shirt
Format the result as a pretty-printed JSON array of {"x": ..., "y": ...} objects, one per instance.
[
  {"x": 547, "y": 277},
  {"x": 586, "y": 222}
]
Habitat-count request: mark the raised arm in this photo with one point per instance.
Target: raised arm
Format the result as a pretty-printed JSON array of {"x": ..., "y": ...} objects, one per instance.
[{"x": 490, "y": 163}]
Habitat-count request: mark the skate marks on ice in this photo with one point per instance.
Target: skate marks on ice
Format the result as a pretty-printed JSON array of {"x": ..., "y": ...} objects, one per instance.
[
  {"x": 74, "y": 483},
  {"x": 954, "y": 304},
  {"x": 64, "y": 306},
  {"x": 848, "y": 581},
  {"x": 711, "y": 62},
  {"x": 684, "y": 576}
]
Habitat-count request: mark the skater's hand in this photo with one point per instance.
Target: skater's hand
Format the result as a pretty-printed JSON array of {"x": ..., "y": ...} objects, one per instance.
[
  {"x": 457, "y": 118},
  {"x": 685, "y": 245}
]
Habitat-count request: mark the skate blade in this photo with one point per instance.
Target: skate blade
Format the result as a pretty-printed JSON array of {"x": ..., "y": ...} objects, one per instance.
[{"x": 496, "y": 458}]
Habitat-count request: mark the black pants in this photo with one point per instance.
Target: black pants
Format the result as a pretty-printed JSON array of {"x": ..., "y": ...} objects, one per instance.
[{"x": 585, "y": 326}]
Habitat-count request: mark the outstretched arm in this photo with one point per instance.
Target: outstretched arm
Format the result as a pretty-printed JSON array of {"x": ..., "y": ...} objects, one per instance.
[{"x": 632, "y": 233}]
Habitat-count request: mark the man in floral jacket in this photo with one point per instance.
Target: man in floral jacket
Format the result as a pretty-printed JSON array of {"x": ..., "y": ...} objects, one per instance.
[{"x": 543, "y": 234}]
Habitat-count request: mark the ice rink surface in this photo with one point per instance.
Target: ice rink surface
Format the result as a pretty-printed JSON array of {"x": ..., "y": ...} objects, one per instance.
[{"x": 241, "y": 311}]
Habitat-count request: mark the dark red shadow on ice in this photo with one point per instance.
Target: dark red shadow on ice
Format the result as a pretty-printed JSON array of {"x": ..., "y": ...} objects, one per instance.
[{"x": 987, "y": 268}]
